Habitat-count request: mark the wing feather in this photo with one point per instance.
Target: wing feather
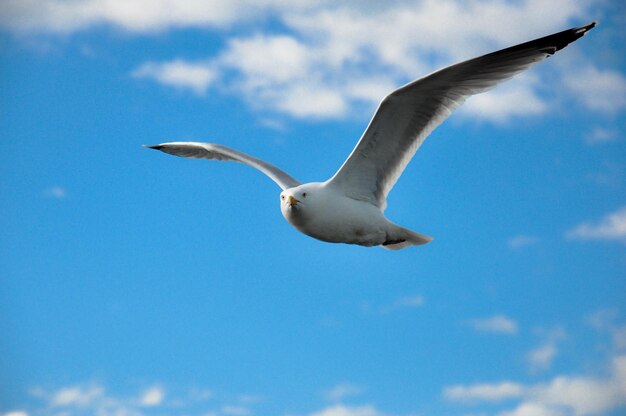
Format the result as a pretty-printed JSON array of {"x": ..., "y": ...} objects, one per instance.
[
  {"x": 406, "y": 117},
  {"x": 212, "y": 151}
]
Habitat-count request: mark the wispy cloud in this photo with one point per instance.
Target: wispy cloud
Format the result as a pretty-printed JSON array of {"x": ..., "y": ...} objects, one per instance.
[
  {"x": 138, "y": 16},
  {"x": 341, "y": 410},
  {"x": 56, "y": 192},
  {"x": 601, "y": 90},
  {"x": 541, "y": 357},
  {"x": 233, "y": 410},
  {"x": 611, "y": 227},
  {"x": 521, "y": 241},
  {"x": 93, "y": 398},
  {"x": 606, "y": 320},
  {"x": 250, "y": 398},
  {"x": 200, "y": 395},
  {"x": 406, "y": 302},
  {"x": 601, "y": 135},
  {"x": 484, "y": 392},
  {"x": 330, "y": 59},
  {"x": 512, "y": 99},
  {"x": 196, "y": 77},
  {"x": 563, "y": 395},
  {"x": 608, "y": 174},
  {"x": 84, "y": 398},
  {"x": 333, "y": 61},
  {"x": 499, "y": 324},
  {"x": 342, "y": 391},
  {"x": 152, "y": 396},
  {"x": 533, "y": 409},
  {"x": 585, "y": 395},
  {"x": 76, "y": 396}
]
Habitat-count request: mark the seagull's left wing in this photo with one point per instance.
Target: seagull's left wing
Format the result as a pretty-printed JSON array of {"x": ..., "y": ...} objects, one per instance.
[
  {"x": 406, "y": 116},
  {"x": 197, "y": 150}
]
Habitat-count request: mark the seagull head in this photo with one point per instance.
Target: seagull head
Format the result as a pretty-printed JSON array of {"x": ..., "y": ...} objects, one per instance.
[
  {"x": 292, "y": 199},
  {"x": 297, "y": 203},
  {"x": 301, "y": 204}
]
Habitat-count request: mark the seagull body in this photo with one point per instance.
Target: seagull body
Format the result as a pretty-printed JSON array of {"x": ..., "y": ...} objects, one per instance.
[
  {"x": 323, "y": 211},
  {"x": 349, "y": 207}
]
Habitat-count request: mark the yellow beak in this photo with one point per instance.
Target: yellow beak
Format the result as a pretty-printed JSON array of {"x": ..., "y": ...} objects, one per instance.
[{"x": 291, "y": 200}]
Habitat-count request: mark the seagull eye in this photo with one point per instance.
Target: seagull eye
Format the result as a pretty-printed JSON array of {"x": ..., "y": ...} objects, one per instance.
[
  {"x": 282, "y": 197},
  {"x": 304, "y": 195}
]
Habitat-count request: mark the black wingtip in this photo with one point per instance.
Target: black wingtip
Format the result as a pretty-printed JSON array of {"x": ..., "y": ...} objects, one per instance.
[
  {"x": 153, "y": 146},
  {"x": 589, "y": 26},
  {"x": 580, "y": 31},
  {"x": 566, "y": 37}
]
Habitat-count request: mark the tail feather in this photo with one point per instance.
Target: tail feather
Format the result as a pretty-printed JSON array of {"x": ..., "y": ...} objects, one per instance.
[{"x": 407, "y": 238}]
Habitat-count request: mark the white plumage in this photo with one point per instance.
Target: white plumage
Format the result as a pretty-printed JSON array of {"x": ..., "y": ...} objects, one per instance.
[{"x": 349, "y": 207}]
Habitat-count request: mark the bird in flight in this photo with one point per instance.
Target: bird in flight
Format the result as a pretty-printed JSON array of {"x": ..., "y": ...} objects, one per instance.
[{"x": 349, "y": 207}]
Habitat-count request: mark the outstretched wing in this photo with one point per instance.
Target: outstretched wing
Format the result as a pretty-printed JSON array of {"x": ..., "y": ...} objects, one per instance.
[
  {"x": 218, "y": 152},
  {"x": 406, "y": 116}
]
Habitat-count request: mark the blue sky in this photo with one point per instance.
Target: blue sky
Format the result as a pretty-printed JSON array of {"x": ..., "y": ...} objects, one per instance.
[{"x": 136, "y": 283}]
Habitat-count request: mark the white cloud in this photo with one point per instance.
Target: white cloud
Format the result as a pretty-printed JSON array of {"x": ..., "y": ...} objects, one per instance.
[
  {"x": 608, "y": 174},
  {"x": 329, "y": 55},
  {"x": 604, "y": 320},
  {"x": 342, "y": 391},
  {"x": 152, "y": 397},
  {"x": 585, "y": 396},
  {"x": 532, "y": 409},
  {"x": 282, "y": 74},
  {"x": 200, "y": 395},
  {"x": 601, "y": 135},
  {"x": 351, "y": 33},
  {"x": 521, "y": 241},
  {"x": 619, "y": 337},
  {"x": 236, "y": 410},
  {"x": 332, "y": 61},
  {"x": 250, "y": 398},
  {"x": 484, "y": 392},
  {"x": 16, "y": 413},
  {"x": 563, "y": 395},
  {"x": 611, "y": 227},
  {"x": 304, "y": 101},
  {"x": 407, "y": 302},
  {"x": 94, "y": 399},
  {"x": 140, "y": 16},
  {"x": 341, "y": 410},
  {"x": 268, "y": 60},
  {"x": 413, "y": 17},
  {"x": 56, "y": 192},
  {"x": 77, "y": 396},
  {"x": 512, "y": 99},
  {"x": 84, "y": 399},
  {"x": 180, "y": 74},
  {"x": 497, "y": 324},
  {"x": 601, "y": 90},
  {"x": 541, "y": 357}
]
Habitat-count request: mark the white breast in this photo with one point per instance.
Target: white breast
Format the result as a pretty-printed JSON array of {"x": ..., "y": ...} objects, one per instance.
[{"x": 328, "y": 215}]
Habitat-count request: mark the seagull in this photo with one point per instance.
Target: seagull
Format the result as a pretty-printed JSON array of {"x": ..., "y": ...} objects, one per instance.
[{"x": 349, "y": 207}]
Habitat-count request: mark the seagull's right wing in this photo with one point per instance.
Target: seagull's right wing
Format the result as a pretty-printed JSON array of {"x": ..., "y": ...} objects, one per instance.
[
  {"x": 407, "y": 115},
  {"x": 197, "y": 150}
]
